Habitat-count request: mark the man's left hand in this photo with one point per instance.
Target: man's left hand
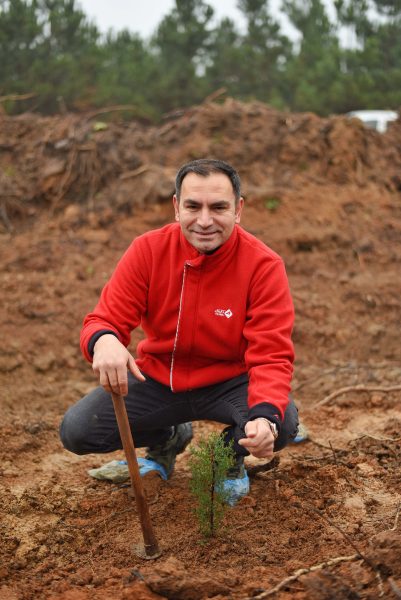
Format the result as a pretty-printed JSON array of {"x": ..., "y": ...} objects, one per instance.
[{"x": 259, "y": 439}]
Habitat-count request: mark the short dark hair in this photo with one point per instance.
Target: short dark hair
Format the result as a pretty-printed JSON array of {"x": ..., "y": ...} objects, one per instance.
[{"x": 204, "y": 167}]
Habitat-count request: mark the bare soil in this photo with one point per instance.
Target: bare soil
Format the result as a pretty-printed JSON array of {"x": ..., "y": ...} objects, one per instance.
[{"x": 323, "y": 193}]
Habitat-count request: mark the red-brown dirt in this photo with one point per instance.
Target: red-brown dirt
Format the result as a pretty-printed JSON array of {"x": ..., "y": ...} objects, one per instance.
[{"x": 325, "y": 194}]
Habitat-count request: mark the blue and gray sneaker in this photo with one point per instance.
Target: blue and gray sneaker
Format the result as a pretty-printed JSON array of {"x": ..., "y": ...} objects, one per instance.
[
  {"x": 161, "y": 458},
  {"x": 302, "y": 434},
  {"x": 236, "y": 486}
]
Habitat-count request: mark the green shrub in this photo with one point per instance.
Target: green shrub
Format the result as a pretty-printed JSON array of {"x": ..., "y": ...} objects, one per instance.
[{"x": 209, "y": 464}]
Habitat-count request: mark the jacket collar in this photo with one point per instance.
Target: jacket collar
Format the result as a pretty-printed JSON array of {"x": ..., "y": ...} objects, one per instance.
[{"x": 195, "y": 259}]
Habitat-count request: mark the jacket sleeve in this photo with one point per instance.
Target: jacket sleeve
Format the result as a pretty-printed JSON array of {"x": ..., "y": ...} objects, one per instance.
[
  {"x": 122, "y": 302},
  {"x": 270, "y": 354}
]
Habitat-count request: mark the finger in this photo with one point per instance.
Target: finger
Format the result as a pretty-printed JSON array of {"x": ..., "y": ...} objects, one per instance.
[
  {"x": 134, "y": 369},
  {"x": 261, "y": 447},
  {"x": 104, "y": 381},
  {"x": 123, "y": 389},
  {"x": 113, "y": 381},
  {"x": 248, "y": 443},
  {"x": 122, "y": 382},
  {"x": 253, "y": 440},
  {"x": 257, "y": 447},
  {"x": 251, "y": 429}
]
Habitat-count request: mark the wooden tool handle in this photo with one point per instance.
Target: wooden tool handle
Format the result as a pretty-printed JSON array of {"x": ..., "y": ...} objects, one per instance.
[{"x": 150, "y": 542}]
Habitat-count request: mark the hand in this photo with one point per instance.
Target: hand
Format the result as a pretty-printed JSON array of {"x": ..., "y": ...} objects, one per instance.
[
  {"x": 110, "y": 361},
  {"x": 259, "y": 439}
]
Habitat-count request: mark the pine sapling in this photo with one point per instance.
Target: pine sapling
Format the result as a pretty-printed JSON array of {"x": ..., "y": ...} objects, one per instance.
[{"x": 209, "y": 464}]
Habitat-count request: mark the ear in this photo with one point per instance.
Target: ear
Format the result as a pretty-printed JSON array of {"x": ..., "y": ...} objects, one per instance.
[
  {"x": 176, "y": 208},
  {"x": 238, "y": 210}
]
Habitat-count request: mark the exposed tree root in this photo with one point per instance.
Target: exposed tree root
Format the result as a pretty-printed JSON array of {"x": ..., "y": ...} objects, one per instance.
[
  {"x": 305, "y": 571},
  {"x": 357, "y": 388}
]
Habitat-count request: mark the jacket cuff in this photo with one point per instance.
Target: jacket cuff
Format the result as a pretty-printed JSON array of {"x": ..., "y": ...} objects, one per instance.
[
  {"x": 267, "y": 411},
  {"x": 96, "y": 336}
]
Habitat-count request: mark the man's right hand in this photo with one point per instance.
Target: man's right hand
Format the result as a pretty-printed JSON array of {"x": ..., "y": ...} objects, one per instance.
[{"x": 111, "y": 360}]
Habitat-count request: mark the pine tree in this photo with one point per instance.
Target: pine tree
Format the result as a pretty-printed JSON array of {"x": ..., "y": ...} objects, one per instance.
[{"x": 209, "y": 464}]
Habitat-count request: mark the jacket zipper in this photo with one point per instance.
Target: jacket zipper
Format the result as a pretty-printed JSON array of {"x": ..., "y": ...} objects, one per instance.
[{"x": 178, "y": 327}]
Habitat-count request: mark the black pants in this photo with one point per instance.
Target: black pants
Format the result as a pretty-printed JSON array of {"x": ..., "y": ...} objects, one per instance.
[{"x": 91, "y": 426}]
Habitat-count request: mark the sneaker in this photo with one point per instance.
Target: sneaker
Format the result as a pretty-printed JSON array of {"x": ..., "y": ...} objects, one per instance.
[
  {"x": 164, "y": 454},
  {"x": 302, "y": 434},
  {"x": 236, "y": 486},
  {"x": 115, "y": 471},
  {"x": 237, "y": 471}
]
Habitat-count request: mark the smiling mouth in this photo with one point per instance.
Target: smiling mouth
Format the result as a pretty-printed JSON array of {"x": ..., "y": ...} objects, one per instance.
[{"x": 205, "y": 233}]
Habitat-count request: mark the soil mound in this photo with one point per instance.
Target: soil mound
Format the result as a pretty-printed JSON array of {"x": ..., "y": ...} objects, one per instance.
[{"x": 80, "y": 159}]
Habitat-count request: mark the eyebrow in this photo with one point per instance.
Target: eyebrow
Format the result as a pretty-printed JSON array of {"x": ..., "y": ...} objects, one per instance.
[{"x": 213, "y": 204}]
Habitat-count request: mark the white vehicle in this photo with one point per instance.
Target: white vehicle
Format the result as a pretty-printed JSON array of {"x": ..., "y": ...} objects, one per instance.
[{"x": 375, "y": 119}]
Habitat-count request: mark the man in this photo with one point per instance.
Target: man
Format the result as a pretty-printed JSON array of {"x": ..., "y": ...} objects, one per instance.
[{"x": 215, "y": 307}]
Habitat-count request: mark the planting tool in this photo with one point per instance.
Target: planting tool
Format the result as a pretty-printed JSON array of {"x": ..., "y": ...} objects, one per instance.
[{"x": 151, "y": 547}]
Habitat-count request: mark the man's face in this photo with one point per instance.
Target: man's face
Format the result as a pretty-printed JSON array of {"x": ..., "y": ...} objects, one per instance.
[{"x": 206, "y": 211}]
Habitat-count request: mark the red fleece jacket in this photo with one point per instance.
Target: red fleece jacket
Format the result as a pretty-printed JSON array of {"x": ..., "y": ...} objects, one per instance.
[{"x": 207, "y": 318}]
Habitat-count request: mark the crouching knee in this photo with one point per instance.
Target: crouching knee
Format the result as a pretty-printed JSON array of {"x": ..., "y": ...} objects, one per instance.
[{"x": 72, "y": 435}]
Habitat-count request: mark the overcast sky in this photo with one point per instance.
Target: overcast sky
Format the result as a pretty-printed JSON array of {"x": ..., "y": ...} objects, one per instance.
[{"x": 142, "y": 16}]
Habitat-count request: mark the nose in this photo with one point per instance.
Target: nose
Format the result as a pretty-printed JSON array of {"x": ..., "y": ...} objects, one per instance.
[{"x": 205, "y": 218}]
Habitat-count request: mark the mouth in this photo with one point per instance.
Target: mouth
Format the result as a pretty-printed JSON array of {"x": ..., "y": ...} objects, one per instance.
[{"x": 205, "y": 234}]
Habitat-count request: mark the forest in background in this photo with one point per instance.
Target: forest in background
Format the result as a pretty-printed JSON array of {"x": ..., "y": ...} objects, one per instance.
[{"x": 54, "y": 59}]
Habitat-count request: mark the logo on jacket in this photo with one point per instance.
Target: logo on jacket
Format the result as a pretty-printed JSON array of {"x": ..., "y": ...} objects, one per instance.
[{"x": 221, "y": 312}]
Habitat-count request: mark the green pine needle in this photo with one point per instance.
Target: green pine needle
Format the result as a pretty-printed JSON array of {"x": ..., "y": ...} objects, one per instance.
[{"x": 209, "y": 464}]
